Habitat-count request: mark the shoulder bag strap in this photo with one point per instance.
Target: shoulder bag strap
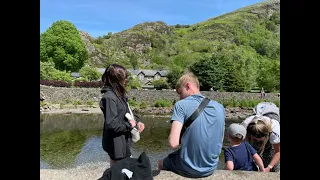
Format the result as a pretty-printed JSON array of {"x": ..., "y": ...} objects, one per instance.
[
  {"x": 130, "y": 111},
  {"x": 197, "y": 112}
]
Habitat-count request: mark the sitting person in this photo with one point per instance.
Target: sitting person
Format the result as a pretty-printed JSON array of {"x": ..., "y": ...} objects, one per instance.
[
  {"x": 201, "y": 142},
  {"x": 241, "y": 155}
]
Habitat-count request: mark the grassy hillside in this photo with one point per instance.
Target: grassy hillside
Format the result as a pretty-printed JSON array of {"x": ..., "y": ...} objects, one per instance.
[
  {"x": 235, "y": 52},
  {"x": 254, "y": 29}
]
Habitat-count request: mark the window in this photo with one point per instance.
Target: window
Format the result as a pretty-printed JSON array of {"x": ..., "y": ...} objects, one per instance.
[
  {"x": 157, "y": 77},
  {"x": 141, "y": 76}
]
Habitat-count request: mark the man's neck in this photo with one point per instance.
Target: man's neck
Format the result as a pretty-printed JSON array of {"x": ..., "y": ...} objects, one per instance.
[{"x": 194, "y": 91}]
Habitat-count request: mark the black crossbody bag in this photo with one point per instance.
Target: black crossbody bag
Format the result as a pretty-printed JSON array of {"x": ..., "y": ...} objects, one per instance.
[{"x": 195, "y": 114}]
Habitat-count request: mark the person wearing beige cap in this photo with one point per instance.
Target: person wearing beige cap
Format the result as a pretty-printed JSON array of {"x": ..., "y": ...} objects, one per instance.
[{"x": 241, "y": 155}]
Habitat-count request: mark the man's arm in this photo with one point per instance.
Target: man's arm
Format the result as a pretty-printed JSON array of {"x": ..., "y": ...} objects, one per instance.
[{"x": 174, "y": 136}]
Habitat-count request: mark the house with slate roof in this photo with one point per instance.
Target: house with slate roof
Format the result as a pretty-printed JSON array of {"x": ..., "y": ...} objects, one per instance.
[{"x": 146, "y": 76}]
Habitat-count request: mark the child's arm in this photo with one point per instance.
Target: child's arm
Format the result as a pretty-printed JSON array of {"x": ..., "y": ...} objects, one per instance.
[
  {"x": 229, "y": 165},
  {"x": 259, "y": 162},
  {"x": 228, "y": 159}
]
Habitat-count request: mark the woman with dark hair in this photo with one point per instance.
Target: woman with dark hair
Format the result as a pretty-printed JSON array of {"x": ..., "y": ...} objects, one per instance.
[
  {"x": 263, "y": 133},
  {"x": 116, "y": 138}
]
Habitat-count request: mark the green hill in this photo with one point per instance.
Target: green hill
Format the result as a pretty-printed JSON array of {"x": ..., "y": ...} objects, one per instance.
[
  {"x": 156, "y": 45},
  {"x": 237, "y": 51}
]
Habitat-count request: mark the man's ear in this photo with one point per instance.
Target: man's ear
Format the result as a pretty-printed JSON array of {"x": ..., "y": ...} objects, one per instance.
[{"x": 188, "y": 85}]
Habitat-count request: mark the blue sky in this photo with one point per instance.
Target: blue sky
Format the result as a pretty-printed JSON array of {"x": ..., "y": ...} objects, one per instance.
[{"x": 98, "y": 17}]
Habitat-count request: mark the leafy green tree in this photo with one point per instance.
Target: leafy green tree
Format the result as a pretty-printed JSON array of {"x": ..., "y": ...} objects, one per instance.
[
  {"x": 61, "y": 44},
  {"x": 269, "y": 75},
  {"x": 133, "y": 82},
  {"x": 210, "y": 73},
  {"x": 232, "y": 68},
  {"x": 275, "y": 17},
  {"x": 240, "y": 64},
  {"x": 48, "y": 72},
  {"x": 90, "y": 73},
  {"x": 270, "y": 25},
  {"x": 174, "y": 75}
]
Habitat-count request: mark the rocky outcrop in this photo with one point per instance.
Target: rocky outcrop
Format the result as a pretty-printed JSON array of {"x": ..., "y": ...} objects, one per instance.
[{"x": 95, "y": 54}]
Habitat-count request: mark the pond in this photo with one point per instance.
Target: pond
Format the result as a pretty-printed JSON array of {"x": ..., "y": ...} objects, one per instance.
[{"x": 71, "y": 140}]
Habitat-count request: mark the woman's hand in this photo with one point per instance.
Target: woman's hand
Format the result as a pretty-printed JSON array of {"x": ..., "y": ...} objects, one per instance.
[
  {"x": 267, "y": 169},
  {"x": 140, "y": 126},
  {"x": 132, "y": 122}
]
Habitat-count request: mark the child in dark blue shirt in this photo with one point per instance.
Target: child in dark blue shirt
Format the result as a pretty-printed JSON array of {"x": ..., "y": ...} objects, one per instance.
[{"x": 241, "y": 155}]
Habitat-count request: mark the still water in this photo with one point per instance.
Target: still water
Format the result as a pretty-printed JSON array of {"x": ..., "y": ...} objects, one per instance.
[{"x": 71, "y": 140}]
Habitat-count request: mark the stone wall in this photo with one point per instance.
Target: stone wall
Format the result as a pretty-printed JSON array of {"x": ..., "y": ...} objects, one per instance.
[
  {"x": 96, "y": 173},
  {"x": 69, "y": 95}
]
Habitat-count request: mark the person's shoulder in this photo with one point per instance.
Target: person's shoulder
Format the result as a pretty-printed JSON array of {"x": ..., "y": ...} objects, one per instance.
[
  {"x": 187, "y": 100},
  {"x": 227, "y": 149},
  {"x": 216, "y": 103},
  {"x": 109, "y": 95},
  {"x": 275, "y": 122},
  {"x": 181, "y": 104},
  {"x": 247, "y": 144},
  {"x": 181, "y": 101}
]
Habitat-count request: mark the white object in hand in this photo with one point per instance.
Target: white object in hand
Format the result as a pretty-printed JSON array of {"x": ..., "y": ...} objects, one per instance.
[
  {"x": 128, "y": 116},
  {"x": 134, "y": 132}
]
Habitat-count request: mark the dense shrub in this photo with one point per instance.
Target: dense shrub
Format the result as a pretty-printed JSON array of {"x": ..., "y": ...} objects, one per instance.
[
  {"x": 92, "y": 84},
  {"x": 55, "y": 83},
  {"x": 163, "y": 103}
]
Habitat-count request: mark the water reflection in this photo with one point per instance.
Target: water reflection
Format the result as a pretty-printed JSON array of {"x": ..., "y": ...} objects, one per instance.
[
  {"x": 71, "y": 140},
  {"x": 91, "y": 152},
  {"x": 44, "y": 165}
]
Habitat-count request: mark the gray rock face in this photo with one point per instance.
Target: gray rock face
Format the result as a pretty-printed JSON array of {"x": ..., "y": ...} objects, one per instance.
[{"x": 95, "y": 54}]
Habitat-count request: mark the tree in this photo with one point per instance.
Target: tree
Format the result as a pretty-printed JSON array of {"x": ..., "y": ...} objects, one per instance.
[
  {"x": 133, "y": 82},
  {"x": 269, "y": 75},
  {"x": 210, "y": 73},
  {"x": 174, "y": 75},
  {"x": 61, "y": 44},
  {"x": 232, "y": 68},
  {"x": 48, "y": 72},
  {"x": 90, "y": 73}
]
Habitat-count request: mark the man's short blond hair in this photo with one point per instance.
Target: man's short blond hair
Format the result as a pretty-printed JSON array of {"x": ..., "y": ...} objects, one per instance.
[{"x": 187, "y": 77}]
